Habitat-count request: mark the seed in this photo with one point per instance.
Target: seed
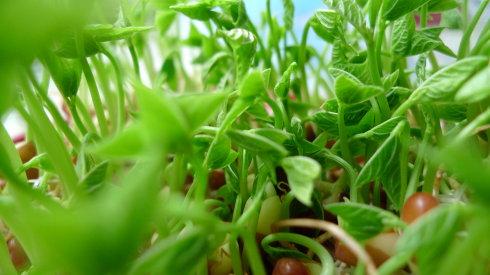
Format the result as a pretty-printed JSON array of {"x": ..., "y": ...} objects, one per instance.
[
  {"x": 417, "y": 205},
  {"x": 289, "y": 266},
  {"x": 17, "y": 254}
]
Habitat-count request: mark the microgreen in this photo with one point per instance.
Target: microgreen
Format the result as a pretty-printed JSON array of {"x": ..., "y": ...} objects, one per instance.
[{"x": 183, "y": 137}]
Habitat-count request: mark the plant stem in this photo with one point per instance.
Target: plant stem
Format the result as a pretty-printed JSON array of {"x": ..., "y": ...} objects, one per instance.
[
  {"x": 50, "y": 140},
  {"x": 55, "y": 114},
  {"x": 74, "y": 114},
  {"x": 302, "y": 60},
  {"x": 120, "y": 91},
  {"x": 465, "y": 40}
]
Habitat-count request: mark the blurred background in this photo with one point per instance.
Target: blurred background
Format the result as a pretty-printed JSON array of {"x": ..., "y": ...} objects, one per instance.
[{"x": 304, "y": 9}]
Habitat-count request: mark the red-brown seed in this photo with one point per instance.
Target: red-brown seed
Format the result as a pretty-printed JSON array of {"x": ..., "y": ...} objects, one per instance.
[
  {"x": 417, "y": 205},
  {"x": 216, "y": 179},
  {"x": 26, "y": 152},
  {"x": 17, "y": 254},
  {"x": 289, "y": 266},
  {"x": 343, "y": 254}
]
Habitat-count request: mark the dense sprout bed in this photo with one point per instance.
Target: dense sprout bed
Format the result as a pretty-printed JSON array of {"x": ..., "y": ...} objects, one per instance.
[{"x": 181, "y": 137}]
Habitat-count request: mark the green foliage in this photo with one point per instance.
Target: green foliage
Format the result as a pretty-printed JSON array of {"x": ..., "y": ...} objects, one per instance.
[{"x": 183, "y": 142}]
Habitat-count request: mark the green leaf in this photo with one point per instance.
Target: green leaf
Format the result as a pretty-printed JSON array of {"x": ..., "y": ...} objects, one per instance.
[
  {"x": 105, "y": 33},
  {"x": 288, "y": 16},
  {"x": 175, "y": 254},
  {"x": 199, "y": 108},
  {"x": 253, "y": 86},
  {"x": 387, "y": 153},
  {"x": 476, "y": 88},
  {"x": 452, "y": 111},
  {"x": 363, "y": 221},
  {"x": 403, "y": 31},
  {"x": 282, "y": 87},
  {"x": 128, "y": 143},
  {"x": 219, "y": 153},
  {"x": 326, "y": 24},
  {"x": 349, "y": 10},
  {"x": 422, "y": 43},
  {"x": 443, "y": 84},
  {"x": 390, "y": 80},
  {"x": 395, "y": 9},
  {"x": 276, "y": 135},
  {"x": 244, "y": 46},
  {"x": 381, "y": 131},
  {"x": 301, "y": 173},
  {"x": 430, "y": 236},
  {"x": 201, "y": 10},
  {"x": 95, "y": 177},
  {"x": 351, "y": 92},
  {"x": 327, "y": 121},
  {"x": 463, "y": 159},
  {"x": 66, "y": 73},
  {"x": 164, "y": 20},
  {"x": 256, "y": 143}
]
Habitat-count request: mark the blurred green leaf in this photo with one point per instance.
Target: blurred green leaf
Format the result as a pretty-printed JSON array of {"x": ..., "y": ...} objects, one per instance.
[
  {"x": 363, "y": 221},
  {"x": 301, "y": 172}
]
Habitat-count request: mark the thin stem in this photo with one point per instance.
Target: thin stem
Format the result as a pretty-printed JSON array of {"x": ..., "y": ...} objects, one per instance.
[
  {"x": 465, "y": 40},
  {"x": 302, "y": 60},
  {"x": 328, "y": 266},
  {"x": 338, "y": 233},
  {"x": 50, "y": 140},
  {"x": 74, "y": 114},
  {"x": 121, "y": 113},
  {"x": 55, "y": 114},
  {"x": 94, "y": 92}
]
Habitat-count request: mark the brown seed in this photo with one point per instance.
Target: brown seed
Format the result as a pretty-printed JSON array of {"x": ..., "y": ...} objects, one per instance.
[
  {"x": 289, "y": 266},
  {"x": 417, "y": 205},
  {"x": 26, "y": 152},
  {"x": 343, "y": 253},
  {"x": 216, "y": 179},
  {"x": 17, "y": 254}
]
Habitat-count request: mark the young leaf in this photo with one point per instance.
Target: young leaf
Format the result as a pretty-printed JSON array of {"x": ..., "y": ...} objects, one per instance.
[
  {"x": 351, "y": 11},
  {"x": 288, "y": 13},
  {"x": 443, "y": 84},
  {"x": 395, "y": 9},
  {"x": 220, "y": 154},
  {"x": 475, "y": 89},
  {"x": 327, "y": 121},
  {"x": 326, "y": 24},
  {"x": 201, "y": 10},
  {"x": 105, "y": 33},
  {"x": 253, "y": 85},
  {"x": 363, "y": 221},
  {"x": 95, "y": 177},
  {"x": 244, "y": 46},
  {"x": 282, "y": 87},
  {"x": 301, "y": 172},
  {"x": 376, "y": 166},
  {"x": 199, "y": 108},
  {"x": 422, "y": 43},
  {"x": 66, "y": 73},
  {"x": 256, "y": 143},
  {"x": 381, "y": 131},
  {"x": 351, "y": 92},
  {"x": 403, "y": 31}
]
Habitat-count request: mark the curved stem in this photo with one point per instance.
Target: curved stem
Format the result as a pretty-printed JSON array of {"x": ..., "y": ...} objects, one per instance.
[
  {"x": 328, "y": 266},
  {"x": 338, "y": 233}
]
